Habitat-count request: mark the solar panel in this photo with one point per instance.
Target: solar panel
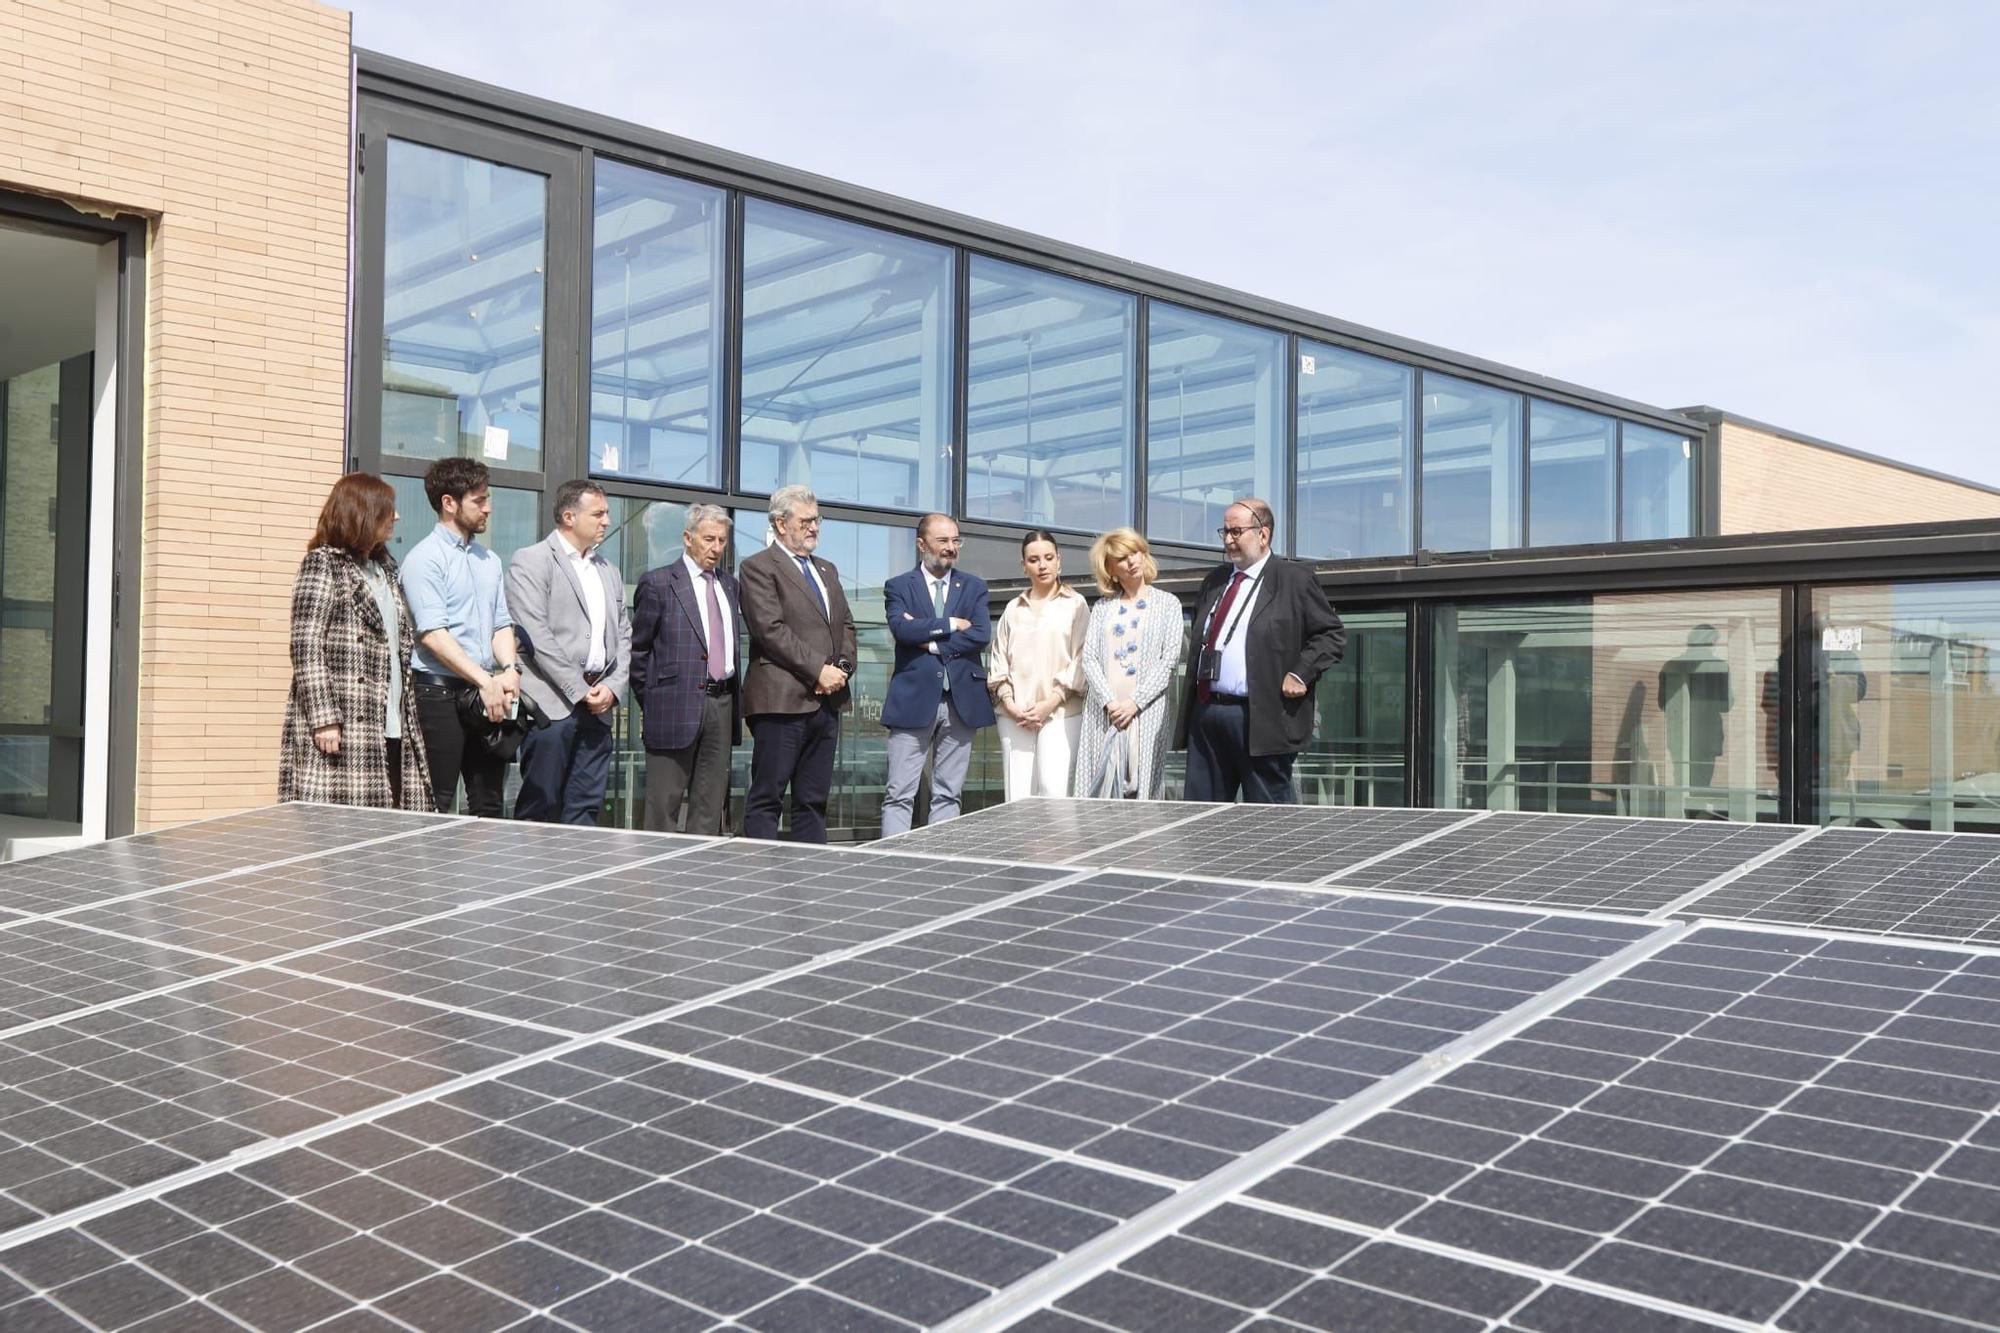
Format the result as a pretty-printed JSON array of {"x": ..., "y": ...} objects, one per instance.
[
  {"x": 1048, "y": 830},
  {"x": 1874, "y": 882},
  {"x": 1581, "y": 862},
  {"x": 49, "y": 968},
  {"x": 1165, "y": 1025},
  {"x": 1287, "y": 844}
]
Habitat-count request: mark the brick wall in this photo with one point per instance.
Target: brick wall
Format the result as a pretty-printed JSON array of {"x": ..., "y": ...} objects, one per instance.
[
  {"x": 225, "y": 122},
  {"x": 1774, "y": 484}
]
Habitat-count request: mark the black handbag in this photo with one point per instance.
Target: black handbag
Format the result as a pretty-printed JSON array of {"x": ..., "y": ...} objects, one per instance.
[{"x": 500, "y": 740}]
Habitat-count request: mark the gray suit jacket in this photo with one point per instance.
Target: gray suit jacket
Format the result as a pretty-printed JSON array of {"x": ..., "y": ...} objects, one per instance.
[{"x": 546, "y": 602}]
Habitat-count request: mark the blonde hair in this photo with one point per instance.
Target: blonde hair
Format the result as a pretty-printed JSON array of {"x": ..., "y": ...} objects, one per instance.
[{"x": 1116, "y": 545}]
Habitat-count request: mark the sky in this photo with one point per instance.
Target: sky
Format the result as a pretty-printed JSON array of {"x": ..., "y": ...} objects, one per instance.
[{"x": 1784, "y": 210}]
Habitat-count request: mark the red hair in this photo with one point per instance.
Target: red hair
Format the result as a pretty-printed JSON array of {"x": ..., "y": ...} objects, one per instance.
[{"x": 353, "y": 515}]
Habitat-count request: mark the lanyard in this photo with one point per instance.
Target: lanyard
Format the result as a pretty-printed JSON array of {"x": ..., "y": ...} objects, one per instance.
[{"x": 1242, "y": 606}]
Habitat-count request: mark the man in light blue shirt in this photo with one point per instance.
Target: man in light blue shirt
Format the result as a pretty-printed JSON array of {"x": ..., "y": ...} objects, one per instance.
[{"x": 465, "y": 638}]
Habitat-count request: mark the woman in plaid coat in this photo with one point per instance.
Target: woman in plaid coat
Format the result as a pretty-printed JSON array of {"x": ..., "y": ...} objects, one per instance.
[{"x": 351, "y": 735}]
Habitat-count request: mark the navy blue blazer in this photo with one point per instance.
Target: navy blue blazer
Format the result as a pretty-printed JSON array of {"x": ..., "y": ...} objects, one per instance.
[
  {"x": 918, "y": 682},
  {"x": 670, "y": 654}
]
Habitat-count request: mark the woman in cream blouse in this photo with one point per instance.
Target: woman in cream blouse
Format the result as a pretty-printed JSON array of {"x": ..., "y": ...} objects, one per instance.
[
  {"x": 1036, "y": 676},
  {"x": 1130, "y": 649}
]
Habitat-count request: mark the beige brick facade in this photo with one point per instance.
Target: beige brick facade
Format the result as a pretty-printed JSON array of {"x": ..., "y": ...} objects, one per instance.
[
  {"x": 224, "y": 122},
  {"x": 1773, "y": 483}
]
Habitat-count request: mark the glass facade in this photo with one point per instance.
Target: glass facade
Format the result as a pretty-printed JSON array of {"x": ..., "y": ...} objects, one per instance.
[
  {"x": 1215, "y": 425},
  {"x": 1472, "y": 466},
  {"x": 1630, "y": 704},
  {"x": 1656, "y": 483},
  {"x": 655, "y": 336},
  {"x": 1572, "y": 479},
  {"x": 1354, "y": 454},
  {"x": 517, "y": 520},
  {"x": 465, "y": 256},
  {"x": 847, "y": 352},
  {"x": 1049, "y": 378},
  {"x": 1358, "y": 754},
  {"x": 1906, "y": 705}
]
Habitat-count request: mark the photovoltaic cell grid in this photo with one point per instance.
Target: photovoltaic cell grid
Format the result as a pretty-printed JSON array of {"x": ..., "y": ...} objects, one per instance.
[
  {"x": 48, "y": 968},
  {"x": 1874, "y": 882},
  {"x": 123, "y": 866},
  {"x": 1584, "y": 863},
  {"x": 1287, "y": 844},
  {"x": 1047, "y": 830},
  {"x": 637, "y": 941},
  {"x": 609, "y": 1188},
  {"x": 1162, "y": 1025}
]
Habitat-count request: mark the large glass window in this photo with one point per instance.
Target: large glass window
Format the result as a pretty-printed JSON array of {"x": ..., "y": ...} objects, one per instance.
[
  {"x": 1906, "y": 717},
  {"x": 1472, "y": 459},
  {"x": 1354, "y": 453},
  {"x": 464, "y": 259},
  {"x": 1658, "y": 484},
  {"x": 517, "y": 519},
  {"x": 1570, "y": 476},
  {"x": 1215, "y": 427},
  {"x": 1357, "y": 755},
  {"x": 1633, "y": 704},
  {"x": 847, "y": 337},
  {"x": 655, "y": 335},
  {"x": 1050, "y": 382}
]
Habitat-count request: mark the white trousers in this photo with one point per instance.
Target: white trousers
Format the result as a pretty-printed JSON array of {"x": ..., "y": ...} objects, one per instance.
[{"x": 1039, "y": 763}]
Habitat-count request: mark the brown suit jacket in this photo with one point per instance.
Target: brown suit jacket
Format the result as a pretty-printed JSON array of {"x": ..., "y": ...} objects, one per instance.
[{"x": 791, "y": 638}]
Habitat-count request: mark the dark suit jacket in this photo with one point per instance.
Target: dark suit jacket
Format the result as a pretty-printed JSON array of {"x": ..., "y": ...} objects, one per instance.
[
  {"x": 920, "y": 674},
  {"x": 670, "y": 654},
  {"x": 1292, "y": 630},
  {"x": 791, "y": 638}
]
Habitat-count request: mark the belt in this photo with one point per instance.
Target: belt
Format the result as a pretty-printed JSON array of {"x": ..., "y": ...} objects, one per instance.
[
  {"x": 438, "y": 678},
  {"x": 723, "y": 686},
  {"x": 1215, "y": 698}
]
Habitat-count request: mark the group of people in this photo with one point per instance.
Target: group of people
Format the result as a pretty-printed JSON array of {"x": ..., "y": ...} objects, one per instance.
[{"x": 407, "y": 681}]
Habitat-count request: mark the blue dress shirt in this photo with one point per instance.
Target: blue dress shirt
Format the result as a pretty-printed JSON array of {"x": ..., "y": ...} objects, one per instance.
[{"x": 455, "y": 584}]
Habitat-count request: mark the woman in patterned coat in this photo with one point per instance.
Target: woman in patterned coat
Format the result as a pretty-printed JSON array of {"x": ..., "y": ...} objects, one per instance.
[
  {"x": 351, "y": 735},
  {"x": 1129, "y": 653}
]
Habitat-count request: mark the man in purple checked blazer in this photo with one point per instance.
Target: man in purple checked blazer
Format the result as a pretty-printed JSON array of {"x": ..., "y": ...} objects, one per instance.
[{"x": 684, "y": 621}]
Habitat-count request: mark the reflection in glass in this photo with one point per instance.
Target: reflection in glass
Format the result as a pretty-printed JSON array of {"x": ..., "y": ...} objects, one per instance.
[
  {"x": 464, "y": 249},
  {"x": 1354, "y": 453},
  {"x": 1215, "y": 428},
  {"x": 1050, "y": 383},
  {"x": 644, "y": 535},
  {"x": 1357, "y": 756},
  {"x": 847, "y": 336},
  {"x": 655, "y": 335},
  {"x": 1906, "y": 706},
  {"x": 1634, "y": 704},
  {"x": 1570, "y": 477},
  {"x": 516, "y": 520},
  {"x": 1658, "y": 484},
  {"x": 1472, "y": 457}
]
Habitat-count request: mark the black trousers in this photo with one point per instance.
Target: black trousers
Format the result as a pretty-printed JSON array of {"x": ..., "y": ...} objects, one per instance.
[
  {"x": 454, "y": 755},
  {"x": 1219, "y": 762},
  {"x": 795, "y": 750}
]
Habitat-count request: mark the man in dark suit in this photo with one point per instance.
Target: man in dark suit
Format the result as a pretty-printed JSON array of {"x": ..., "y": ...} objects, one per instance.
[
  {"x": 801, "y": 658},
  {"x": 937, "y": 699},
  {"x": 1262, "y": 633},
  {"x": 684, "y": 619}
]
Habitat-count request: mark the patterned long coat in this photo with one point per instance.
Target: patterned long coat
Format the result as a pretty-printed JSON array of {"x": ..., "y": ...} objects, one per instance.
[
  {"x": 340, "y": 673},
  {"x": 1159, "y": 654}
]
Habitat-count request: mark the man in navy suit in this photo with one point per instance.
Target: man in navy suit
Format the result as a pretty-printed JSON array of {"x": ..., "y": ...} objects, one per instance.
[
  {"x": 937, "y": 699},
  {"x": 684, "y": 619}
]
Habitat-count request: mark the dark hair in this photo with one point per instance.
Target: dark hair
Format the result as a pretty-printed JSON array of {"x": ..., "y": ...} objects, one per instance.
[
  {"x": 570, "y": 495},
  {"x": 352, "y": 517},
  {"x": 456, "y": 477},
  {"x": 1043, "y": 535}
]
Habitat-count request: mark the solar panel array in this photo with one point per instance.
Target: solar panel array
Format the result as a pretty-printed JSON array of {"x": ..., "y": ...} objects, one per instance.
[{"x": 1057, "y": 1066}]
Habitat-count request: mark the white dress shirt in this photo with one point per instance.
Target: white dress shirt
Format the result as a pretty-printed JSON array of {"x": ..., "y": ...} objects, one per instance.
[
  {"x": 592, "y": 583},
  {"x": 1234, "y": 676},
  {"x": 699, "y": 578}
]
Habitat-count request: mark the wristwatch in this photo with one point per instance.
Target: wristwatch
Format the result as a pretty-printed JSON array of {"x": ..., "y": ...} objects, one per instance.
[{"x": 846, "y": 665}]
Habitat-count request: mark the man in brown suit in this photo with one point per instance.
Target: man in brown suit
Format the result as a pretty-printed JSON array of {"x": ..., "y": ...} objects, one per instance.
[{"x": 801, "y": 658}]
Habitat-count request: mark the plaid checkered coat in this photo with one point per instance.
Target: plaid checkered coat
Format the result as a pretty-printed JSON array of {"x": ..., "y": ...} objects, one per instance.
[{"x": 340, "y": 673}]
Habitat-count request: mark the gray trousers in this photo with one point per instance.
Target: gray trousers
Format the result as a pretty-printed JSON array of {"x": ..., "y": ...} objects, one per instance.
[
  {"x": 952, "y": 741},
  {"x": 697, "y": 774}
]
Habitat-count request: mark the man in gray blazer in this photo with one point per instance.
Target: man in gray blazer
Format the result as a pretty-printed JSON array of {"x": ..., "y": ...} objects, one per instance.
[{"x": 568, "y": 602}]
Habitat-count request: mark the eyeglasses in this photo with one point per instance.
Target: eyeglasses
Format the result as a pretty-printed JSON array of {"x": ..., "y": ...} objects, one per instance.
[
  {"x": 812, "y": 522},
  {"x": 1238, "y": 532}
]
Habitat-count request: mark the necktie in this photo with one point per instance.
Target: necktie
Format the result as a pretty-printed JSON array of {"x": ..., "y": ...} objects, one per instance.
[
  {"x": 718, "y": 659},
  {"x": 806, "y": 568},
  {"x": 937, "y": 605},
  {"x": 1202, "y": 689}
]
